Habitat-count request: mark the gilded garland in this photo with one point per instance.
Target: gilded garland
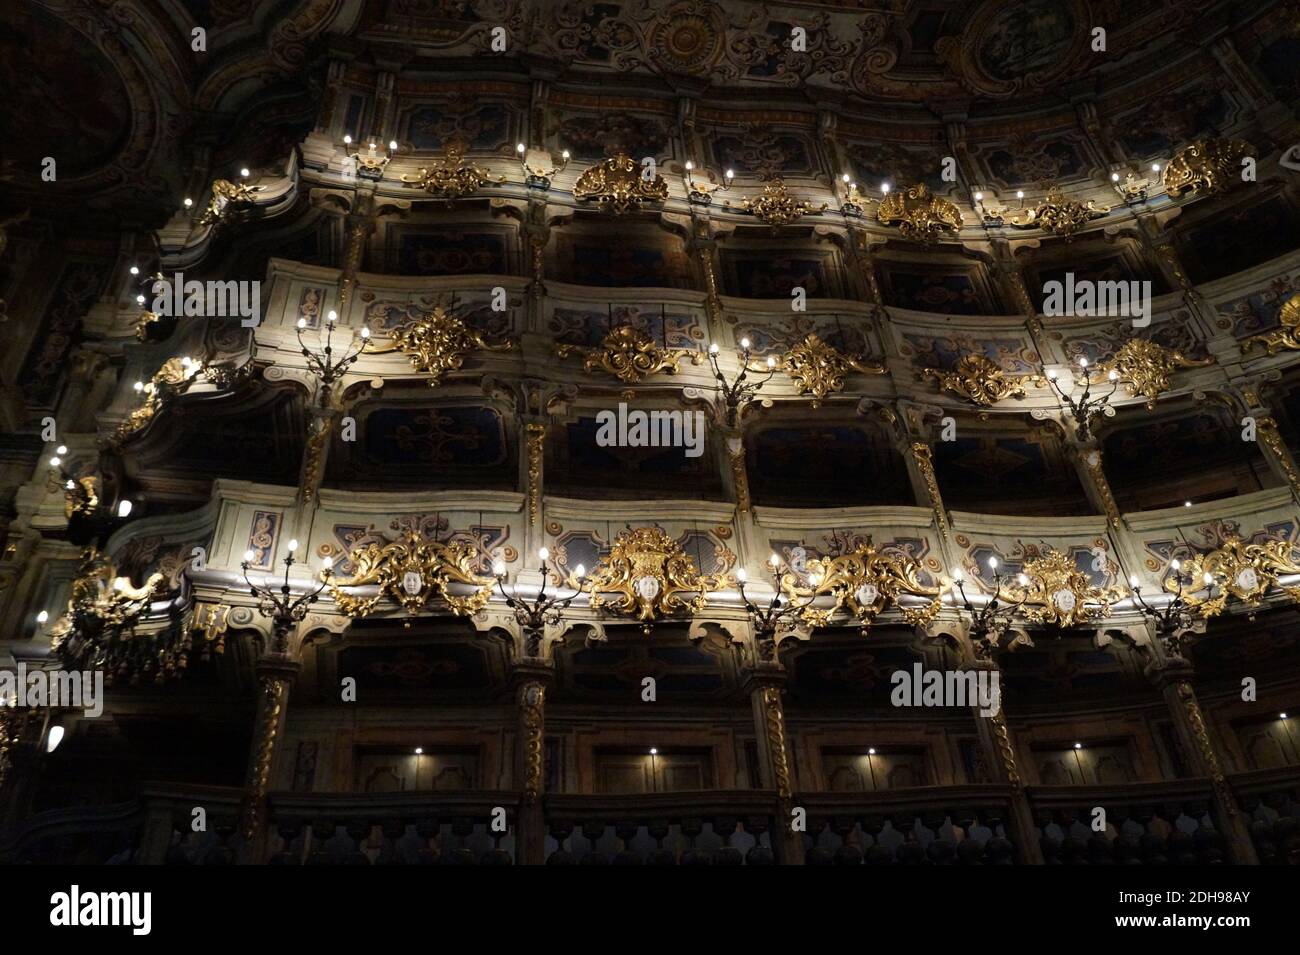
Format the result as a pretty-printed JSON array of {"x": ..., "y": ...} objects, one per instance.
[
  {"x": 412, "y": 571},
  {"x": 436, "y": 344},
  {"x": 630, "y": 355},
  {"x": 919, "y": 215},
  {"x": 618, "y": 184},
  {"x": 649, "y": 576}
]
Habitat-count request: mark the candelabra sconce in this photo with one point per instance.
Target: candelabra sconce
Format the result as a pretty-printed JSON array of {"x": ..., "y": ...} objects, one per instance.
[
  {"x": 700, "y": 191},
  {"x": 534, "y": 616},
  {"x": 990, "y": 214},
  {"x": 87, "y": 521},
  {"x": 1132, "y": 189},
  {"x": 1086, "y": 407},
  {"x": 539, "y": 166},
  {"x": 371, "y": 162},
  {"x": 991, "y": 620},
  {"x": 852, "y": 202},
  {"x": 781, "y": 616},
  {"x": 151, "y": 326},
  {"x": 742, "y": 389},
  {"x": 1176, "y": 618},
  {"x": 278, "y": 603},
  {"x": 322, "y": 364}
]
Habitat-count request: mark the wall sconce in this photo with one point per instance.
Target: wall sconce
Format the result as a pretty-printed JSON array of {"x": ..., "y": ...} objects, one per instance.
[
  {"x": 539, "y": 166},
  {"x": 534, "y": 616},
  {"x": 700, "y": 191},
  {"x": 371, "y": 163},
  {"x": 989, "y": 212},
  {"x": 1132, "y": 189}
]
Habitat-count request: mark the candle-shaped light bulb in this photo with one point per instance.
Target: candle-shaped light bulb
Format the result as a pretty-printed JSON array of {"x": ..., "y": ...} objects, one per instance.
[
  {"x": 1022, "y": 580},
  {"x": 731, "y": 174},
  {"x": 1083, "y": 361},
  {"x": 392, "y": 145},
  {"x": 302, "y": 323},
  {"x": 499, "y": 568},
  {"x": 713, "y": 348},
  {"x": 689, "y": 165},
  {"x": 1133, "y": 581},
  {"x": 744, "y": 344},
  {"x": 1208, "y": 577},
  {"x": 564, "y": 155},
  {"x": 993, "y": 563},
  {"x": 328, "y": 561},
  {"x": 520, "y": 148},
  {"x": 1175, "y": 565},
  {"x": 293, "y": 545},
  {"x": 543, "y": 553},
  {"x": 775, "y": 561},
  {"x": 347, "y": 139},
  {"x": 332, "y": 317},
  {"x": 580, "y": 571},
  {"x": 1114, "y": 177},
  {"x": 741, "y": 575},
  {"x": 61, "y": 449},
  {"x": 957, "y": 574},
  {"x": 771, "y": 362},
  {"x": 43, "y": 616},
  {"x": 139, "y": 300}
]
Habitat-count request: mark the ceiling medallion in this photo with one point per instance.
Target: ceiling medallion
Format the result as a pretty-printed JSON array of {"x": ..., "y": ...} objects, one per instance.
[
  {"x": 436, "y": 343},
  {"x": 1237, "y": 570},
  {"x": 864, "y": 583},
  {"x": 776, "y": 208},
  {"x": 411, "y": 571},
  {"x": 1146, "y": 367},
  {"x": 97, "y": 631},
  {"x": 1057, "y": 214},
  {"x": 1208, "y": 165},
  {"x": 619, "y": 185},
  {"x": 919, "y": 215},
  {"x": 818, "y": 369},
  {"x": 649, "y": 573},
  {"x": 452, "y": 176},
  {"x": 981, "y": 380},
  {"x": 630, "y": 355},
  {"x": 1287, "y": 337},
  {"x": 1051, "y": 589}
]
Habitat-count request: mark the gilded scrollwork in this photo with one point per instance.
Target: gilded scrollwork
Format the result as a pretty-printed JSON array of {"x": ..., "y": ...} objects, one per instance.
[
  {"x": 630, "y": 355},
  {"x": 1057, "y": 214},
  {"x": 863, "y": 583},
  {"x": 1210, "y": 165},
  {"x": 920, "y": 215},
  {"x": 619, "y": 185},
  {"x": 819, "y": 369},
  {"x": 1055, "y": 591},
  {"x": 536, "y": 447},
  {"x": 412, "y": 571},
  {"x": 1146, "y": 368},
  {"x": 436, "y": 343},
  {"x": 650, "y": 576},
  {"x": 776, "y": 207},
  {"x": 981, "y": 380},
  {"x": 1286, "y": 337},
  {"x": 1237, "y": 570},
  {"x": 452, "y": 176}
]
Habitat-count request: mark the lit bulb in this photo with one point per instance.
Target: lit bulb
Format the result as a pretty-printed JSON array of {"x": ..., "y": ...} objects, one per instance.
[
  {"x": 293, "y": 545},
  {"x": 138, "y": 386},
  {"x": 1187, "y": 503},
  {"x": 689, "y": 165},
  {"x": 1155, "y": 167},
  {"x": 1051, "y": 374},
  {"x": 392, "y": 145},
  {"x": 302, "y": 323},
  {"x": 244, "y": 173},
  {"x": 1208, "y": 577},
  {"x": 543, "y": 553},
  {"x": 884, "y": 188},
  {"x": 957, "y": 574},
  {"x": 771, "y": 362},
  {"x": 1175, "y": 564},
  {"x": 333, "y": 316},
  {"x": 499, "y": 568},
  {"x": 372, "y": 147},
  {"x": 1113, "y": 375},
  {"x": 979, "y": 197},
  {"x": 713, "y": 349},
  {"x": 54, "y": 739},
  {"x": 1281, "y": 716},
  {"x": 43, "y": 616},
  {"x": 1078, "y": 746},
  {"x": 70, "y": 486},
  {"x": 580, "y": 571},
  {"x": 248, "y": 556},
  {"x": 1083, "y": 361},
  {"x": 188, "y": 203},
  {"x": 61, "y": 449},
  {"x": 328, "y": 561},
  {"x": 744, "y": 344},
  {"x": 365, "y": 332},
  {"x": 993, "y": 563},
  {"x": 731, "y": 174},
  {"x": 871, "y": 751},
  {"x": 519, "y": 148},
  {"x": 1133, "y": 580},
  {"x": 774, "y": 560},
  {"x": 55, "y": 461},
  {"x": 741, "y": 575},
  {"x": 139, "y": 300},
  {"x": 347, "y": 139},
  {"x": 815, "y": 579},
  {"x": 1022, "y": 580},
  {"x": 135, "y": 270},
  {"x": 124, "y": 508},
  {"x": 653, "y": 751},
  {"x": 1020, "y": 194},
  {"x": 1114, "y": 177},
  {"x": 419, "y": 751}
]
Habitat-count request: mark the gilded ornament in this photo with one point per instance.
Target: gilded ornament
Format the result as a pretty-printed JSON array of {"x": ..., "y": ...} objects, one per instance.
[
  {"x": 536, "y": 440},
  {"x": 228, "y": 200},
  {"x": 436, "y": 343},
  {"x": 776, "y": 208},
  {"x": 863, "y": 583},
  {"x": 1286, "y": 337},
  {"x": 1241, "y": 571},
  {"x": 173, "y": 378},
  {"x": 532, "y": 699},
  {"x": 818, "y": 369},
  {"x": 1211, "y": 165},
  {"x": 1147, "y": 367},
  {"x": 411, "y": 571},
  {"x": 1057, "y": 214},
  {"x": 618, "y": 184},
  {"x": 919, "y": 215},
  {"x": 1273, "y": 440},
  {"x": 452, "y": 176},
  {"x": 649, "y": 574},
  {"x": 924, "y": 458},
  {"x": 981, "y": 380},
  {"x": 774, "y": 724},
  {"x": 630, "y": 355},
  {"x": 1057, "y": 592}
]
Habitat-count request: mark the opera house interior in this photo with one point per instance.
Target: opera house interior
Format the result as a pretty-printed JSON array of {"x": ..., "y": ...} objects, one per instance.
[{"x": 650, "y": 432}]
